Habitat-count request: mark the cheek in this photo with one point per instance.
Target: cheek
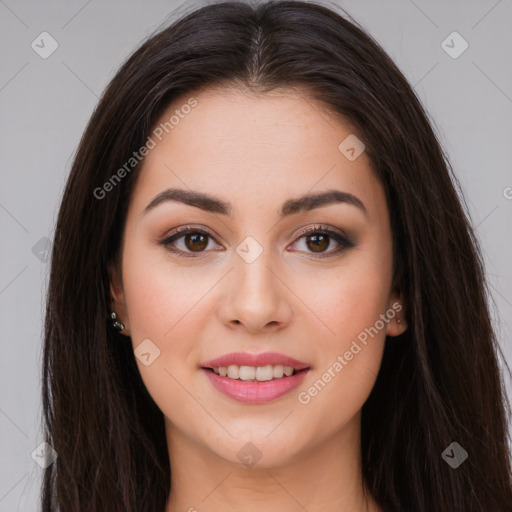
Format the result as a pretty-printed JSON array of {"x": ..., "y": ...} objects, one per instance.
[
  {"x": 342, "y": 381},
  {"x": 159, "y": 307},
  {"x": 352, "y": 298},
  {"x": 158, "y": 297},
  {"x": 350, "y": 353}
]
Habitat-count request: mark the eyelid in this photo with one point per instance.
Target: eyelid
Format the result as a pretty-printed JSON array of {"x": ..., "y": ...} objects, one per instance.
[
  {"x": 186, "y": 229},
  {"x": 177, "y": 233},
  {"x": 340, "y": 237},
  {"x": 322, "y": 227}
]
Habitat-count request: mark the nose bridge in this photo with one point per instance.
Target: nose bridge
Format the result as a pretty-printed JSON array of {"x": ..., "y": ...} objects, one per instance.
[
  {"x": 252, "y": 269},
  {"x": 258, "y": 297}
]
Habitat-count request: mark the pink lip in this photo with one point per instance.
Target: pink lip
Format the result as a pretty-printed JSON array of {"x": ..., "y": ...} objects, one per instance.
[
  {"x": 247, "y": 359},
  {"x": 253, "y": 392}
]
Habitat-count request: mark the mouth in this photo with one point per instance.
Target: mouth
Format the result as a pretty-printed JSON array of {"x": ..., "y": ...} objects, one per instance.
[
  {"x": 255, "y": 373},
  {"x": 255, "y": 378}
]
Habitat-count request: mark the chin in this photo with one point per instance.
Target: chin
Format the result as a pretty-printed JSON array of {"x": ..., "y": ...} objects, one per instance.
[{"x": 258, "y": 450}]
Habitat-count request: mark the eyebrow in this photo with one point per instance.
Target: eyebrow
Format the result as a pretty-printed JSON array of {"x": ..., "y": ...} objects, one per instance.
[{"x": 212, "y": 204}]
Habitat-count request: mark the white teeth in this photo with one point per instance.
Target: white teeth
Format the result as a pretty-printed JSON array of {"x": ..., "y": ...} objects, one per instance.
[
  {"x": 233, "y": 371},
  {"x": 278, "y": 371},
  {"x": 288, "y": 370},
  {"x": 259, "y": 373},
  {"x": 265, "y": 372},
  {"x": 247, "y": 373}
]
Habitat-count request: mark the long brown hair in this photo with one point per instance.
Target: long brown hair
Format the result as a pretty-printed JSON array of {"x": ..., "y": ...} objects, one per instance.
[{"x": 439, "y": 382}]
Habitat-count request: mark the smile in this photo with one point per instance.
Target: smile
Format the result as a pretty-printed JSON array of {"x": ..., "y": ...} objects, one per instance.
[
  {"x": 269, "y": 377},
  {"x": 259, "y": 373}
]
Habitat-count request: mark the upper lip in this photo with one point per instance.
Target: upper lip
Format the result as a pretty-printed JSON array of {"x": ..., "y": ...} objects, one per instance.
[{"x": 248, "y": 359}]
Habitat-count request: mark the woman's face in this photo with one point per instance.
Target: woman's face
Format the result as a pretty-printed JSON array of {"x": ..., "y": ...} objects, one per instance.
[{"x": 246, "y": 280}]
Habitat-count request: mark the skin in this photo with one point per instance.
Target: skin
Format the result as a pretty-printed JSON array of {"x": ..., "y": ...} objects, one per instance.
[{"x": 256, "y": 152}]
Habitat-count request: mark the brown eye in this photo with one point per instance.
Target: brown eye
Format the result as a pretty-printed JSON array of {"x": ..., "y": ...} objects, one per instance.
[
  {"x": 186, "y": 241},
  {"x": 318, "y": 243},
  {"x": 196, "y": 241},
  {"x": 319, "y": 239}
]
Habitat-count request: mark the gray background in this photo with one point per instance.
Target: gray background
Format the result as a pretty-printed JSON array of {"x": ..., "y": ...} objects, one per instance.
[{"x": 45, "y": 104}]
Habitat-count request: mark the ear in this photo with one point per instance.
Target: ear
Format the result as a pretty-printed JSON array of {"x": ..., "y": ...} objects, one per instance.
[
  {"x": 117, "y": 298},
  {"x": 396, "y": 312}
]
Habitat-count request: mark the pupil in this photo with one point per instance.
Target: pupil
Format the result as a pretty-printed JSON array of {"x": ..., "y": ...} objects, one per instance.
[
  {"x": 323, "y": 240},
  {"x": 195, "y": 240},
  {"x": 320, "y": 242}
]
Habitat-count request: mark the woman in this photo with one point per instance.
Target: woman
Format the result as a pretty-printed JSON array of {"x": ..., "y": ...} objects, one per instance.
[{"x": 264, "y": 291}]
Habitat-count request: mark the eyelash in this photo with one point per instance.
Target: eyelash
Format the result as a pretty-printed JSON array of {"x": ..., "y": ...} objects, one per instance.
[{"x": 342, "y": 240}]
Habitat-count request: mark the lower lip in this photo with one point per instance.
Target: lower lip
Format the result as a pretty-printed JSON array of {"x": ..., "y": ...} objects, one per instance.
[{"x": 252, "y": 392}]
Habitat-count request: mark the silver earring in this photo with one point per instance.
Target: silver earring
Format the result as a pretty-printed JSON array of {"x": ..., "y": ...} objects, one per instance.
[
  {"x": 116, "y": 324},
  {"x": 398, "y": 320}
]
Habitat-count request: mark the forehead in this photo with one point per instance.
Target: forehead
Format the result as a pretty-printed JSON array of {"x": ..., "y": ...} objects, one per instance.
[
  {"x": 232, "y": 123},
  {"x": 249, "y": 148}
]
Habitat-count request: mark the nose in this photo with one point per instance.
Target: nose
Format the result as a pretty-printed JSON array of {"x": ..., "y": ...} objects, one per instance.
[{"x": 256, "y": 297}]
